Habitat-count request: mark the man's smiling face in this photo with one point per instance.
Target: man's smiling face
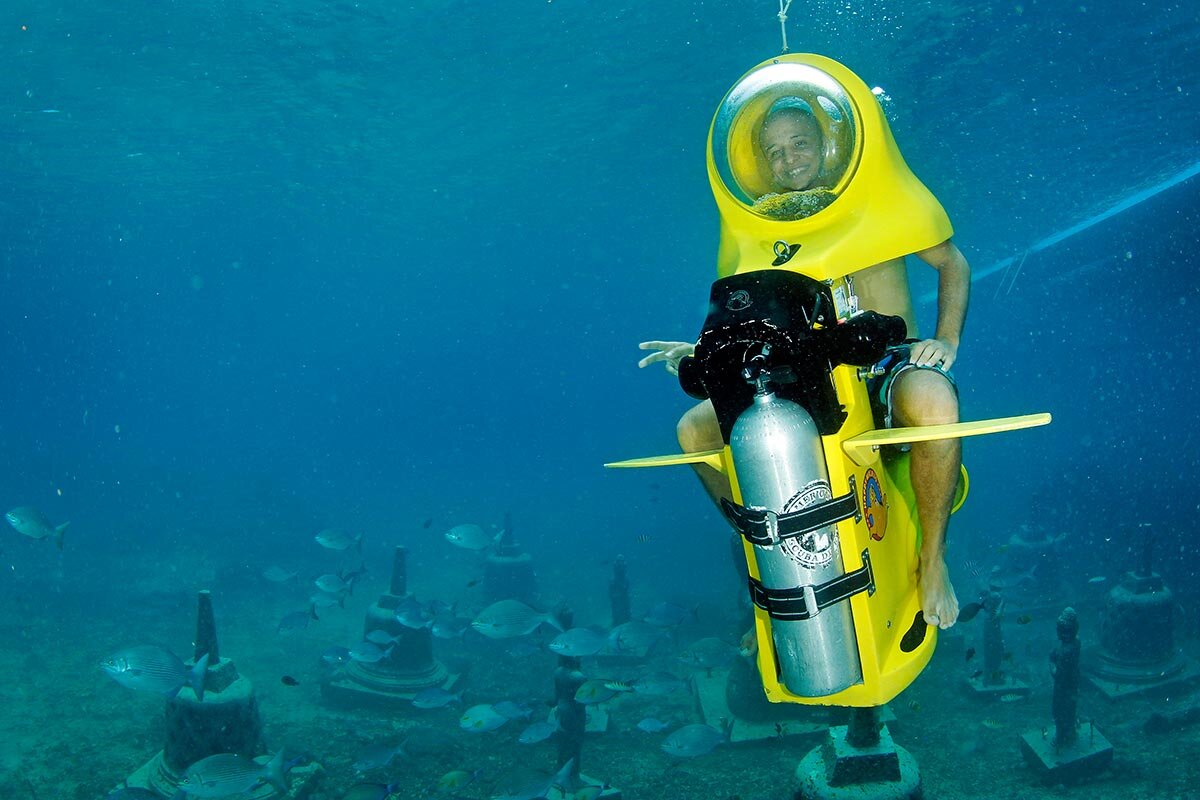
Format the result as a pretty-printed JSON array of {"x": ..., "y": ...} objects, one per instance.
[{"x": 791, "y": 141}]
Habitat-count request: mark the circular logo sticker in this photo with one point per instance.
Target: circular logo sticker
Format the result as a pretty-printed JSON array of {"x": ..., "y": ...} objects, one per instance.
[
  {"x": 874, "y": 506},
  {"x": 816, "y": 548},
  {"x": 739, "y": 301}
]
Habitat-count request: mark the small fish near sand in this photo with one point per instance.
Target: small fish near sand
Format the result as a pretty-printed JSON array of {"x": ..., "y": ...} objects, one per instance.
[
  {"x": 436, "y": 697},
  {"x": 338, "y": 539},
  {"x": 150, "y": 668},
  {"x": 595, "y": 690},
  {"x": 456, "y": 779},
  {"x": 277, "y": 574},
  {"x": 297, "y": 620},
  {"x": 228, "y": 774},
  {"x": 507, "y": 619},
  {"x": 537, "y": 732},
  {"x": 471, "y": 537},
  {"x": 652, "y": 725},
  {"x": 337, "y": 656},
  {"x": 369, "y": 653},
  {"x": 578, "y": 642},
  {"x": 334, "y": 584},
  {"x": 377, "y": 756},
  {"x": 634, "y": 636},
  {"x": 28, "y": 521},
  {"x": 692, "y": 740},
  {"x": 481, "y": 719}
]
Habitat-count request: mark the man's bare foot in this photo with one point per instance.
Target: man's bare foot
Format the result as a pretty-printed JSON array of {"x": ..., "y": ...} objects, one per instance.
[{"x": 938, "y": 600}]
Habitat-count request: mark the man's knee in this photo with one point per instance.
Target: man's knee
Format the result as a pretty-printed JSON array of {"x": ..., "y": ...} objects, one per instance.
[
  {"x": 698, "y": 429},
  {"x": 925, "y": 397}
]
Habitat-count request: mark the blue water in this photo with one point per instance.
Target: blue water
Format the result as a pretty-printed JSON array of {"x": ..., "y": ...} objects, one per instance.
[{"x": 270, "y": 267}]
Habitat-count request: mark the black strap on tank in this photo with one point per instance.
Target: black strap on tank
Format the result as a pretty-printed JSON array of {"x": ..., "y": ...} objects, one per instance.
[
  {"x": 803, "y": 602},
  {"x": 764, "y": 527}
]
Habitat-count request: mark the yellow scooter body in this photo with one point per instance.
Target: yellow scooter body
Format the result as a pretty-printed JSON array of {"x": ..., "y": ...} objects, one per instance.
[
  {"x": 873, "y": 209},
  {"x": 880, "y": 212}
]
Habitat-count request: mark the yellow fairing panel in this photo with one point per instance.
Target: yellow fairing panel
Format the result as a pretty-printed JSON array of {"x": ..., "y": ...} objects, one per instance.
[{"x": 879, "y": 210}]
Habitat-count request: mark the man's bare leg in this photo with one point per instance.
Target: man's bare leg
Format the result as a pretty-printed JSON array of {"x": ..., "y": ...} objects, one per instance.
[
  {"x": 926, "y": 397},
  {"x": 698, "y": 430}
]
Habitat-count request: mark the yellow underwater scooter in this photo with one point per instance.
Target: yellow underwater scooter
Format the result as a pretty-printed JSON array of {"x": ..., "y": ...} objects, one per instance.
[{"x": 827, "y": 515}]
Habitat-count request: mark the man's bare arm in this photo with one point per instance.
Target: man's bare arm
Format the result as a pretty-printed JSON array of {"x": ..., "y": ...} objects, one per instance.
[{"x": 954, "y": 292}]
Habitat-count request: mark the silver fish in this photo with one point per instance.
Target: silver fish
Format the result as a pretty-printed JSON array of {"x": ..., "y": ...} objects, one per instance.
[
  {"x": 381, "y": 637},
  {"x": 149, "y": 668},
  {"x": 537, "y": 732},
  {"x": 278, "y": 574},
  {"x": 228, "y": 774},
  {"x": 436, "y": 697},
  {"x": 578, "y": 642},
  {"x": 412, "y": 614},
  {"x": 337, "y": 656},
  {"x": 652, "y": 725},
  {"x": 481, "y": 718},
  {"x": 326, "y": 600},
  {"x": 506, "y": 619},
  {"x": 297, "y": 620},
  {"x": 338, "y": 539},
  {"x": 595, "y": 690},
  {"x": 332, "y": 584},
  {"x": 471, "y": 537},
  {"x": 28, "y": 521},
  {"x": 633, "y": 637},
  {"x": 692, "y": 740},
  {"x": 377, "y": 756},
  {"x": 448, "y": 626},
  {"x": 369, "y": 653}
]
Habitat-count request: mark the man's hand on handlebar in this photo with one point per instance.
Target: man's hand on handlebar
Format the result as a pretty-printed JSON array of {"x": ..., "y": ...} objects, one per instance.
[{"x": 933, "y": 353}]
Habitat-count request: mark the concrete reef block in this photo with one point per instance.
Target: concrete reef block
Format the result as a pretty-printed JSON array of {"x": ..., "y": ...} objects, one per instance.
[{"x": 1081, "y": 760}]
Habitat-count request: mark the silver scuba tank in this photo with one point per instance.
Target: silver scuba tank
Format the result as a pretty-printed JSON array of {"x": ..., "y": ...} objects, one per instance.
[{"x": 780, "y": 465}]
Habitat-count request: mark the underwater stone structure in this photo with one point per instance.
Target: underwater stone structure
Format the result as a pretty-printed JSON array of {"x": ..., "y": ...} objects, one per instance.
[
  {"x": 227, "y": 720},
  {"x": 1066, "y": 755},
  {"x": 572, "y": 717},
  {"x": 859, "y": 760},
  {"x": 409, "y": 668},
  {"x": 993, "y": 680},
  {"x": 1137, "y": 650},
  {"x": 618, "y": 593},
  {"x": 508, "y": 571}
]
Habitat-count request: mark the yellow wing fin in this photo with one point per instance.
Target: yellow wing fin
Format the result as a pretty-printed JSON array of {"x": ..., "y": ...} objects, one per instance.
[{"x": 862, "y": 448}]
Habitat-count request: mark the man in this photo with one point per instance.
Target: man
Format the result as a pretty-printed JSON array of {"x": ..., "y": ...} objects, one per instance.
[{"x": 917, "y": 389}]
